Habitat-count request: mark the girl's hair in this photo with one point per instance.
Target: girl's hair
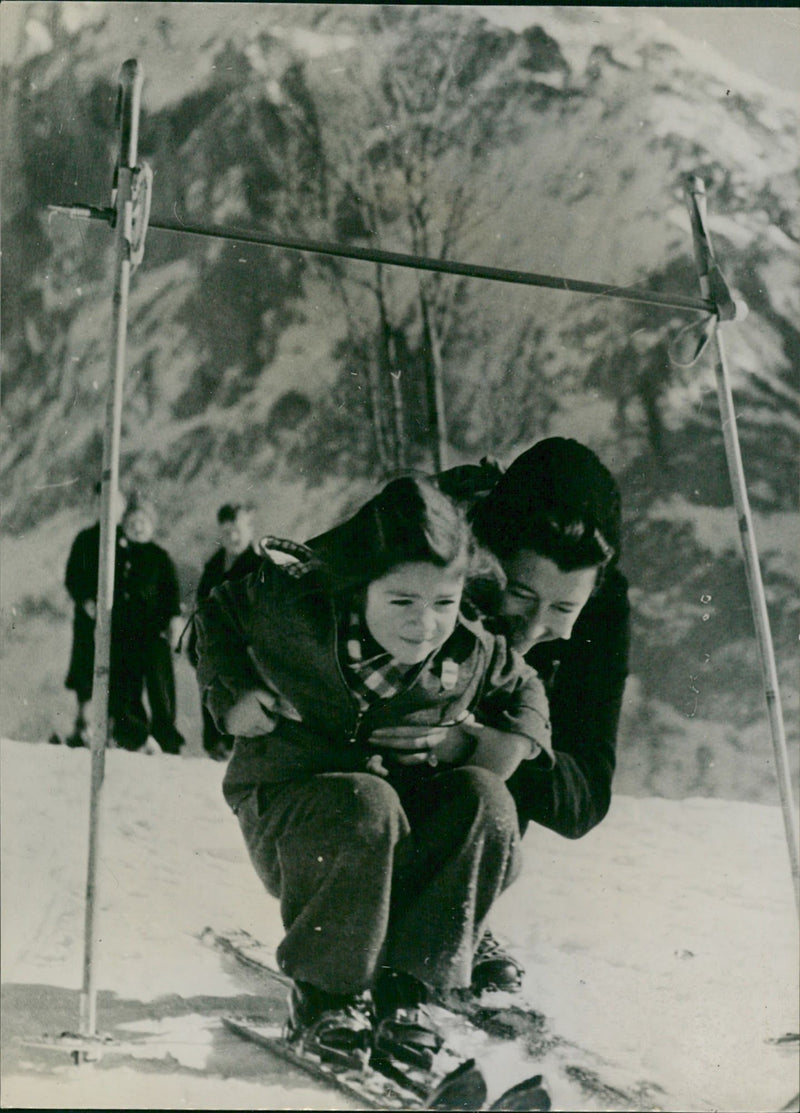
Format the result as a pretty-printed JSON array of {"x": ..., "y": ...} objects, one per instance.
[
  {"x": 558, "y": 500},
  {"x": 410, "y": 520}
]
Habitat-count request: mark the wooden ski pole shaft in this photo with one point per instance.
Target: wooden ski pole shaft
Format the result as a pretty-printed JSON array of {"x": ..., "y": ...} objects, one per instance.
[
  {"x": 130, "y": 86},
  {"x": 706, "y": 267}
]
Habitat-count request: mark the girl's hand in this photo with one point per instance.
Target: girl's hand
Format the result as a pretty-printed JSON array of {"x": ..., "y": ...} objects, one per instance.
[{"x": 252, "y": 714}]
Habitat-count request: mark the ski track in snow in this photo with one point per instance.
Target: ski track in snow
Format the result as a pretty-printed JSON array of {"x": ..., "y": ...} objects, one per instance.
[{"x": 664, "y": 941}]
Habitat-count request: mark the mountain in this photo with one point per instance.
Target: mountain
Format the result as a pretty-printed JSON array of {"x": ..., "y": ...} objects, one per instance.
[{"x": 299, "y": 381}]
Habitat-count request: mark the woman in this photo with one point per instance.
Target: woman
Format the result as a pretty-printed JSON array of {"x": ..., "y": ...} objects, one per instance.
[{"x": 554, "y": 521}]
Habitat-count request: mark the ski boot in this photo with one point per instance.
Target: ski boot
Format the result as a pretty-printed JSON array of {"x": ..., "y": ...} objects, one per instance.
[
  {"x": 494, "y": 968},
  {"x": 404, "y": 1028},
  {"x": 336, "y": 1027},
  {"x": 81, "y": 734}
]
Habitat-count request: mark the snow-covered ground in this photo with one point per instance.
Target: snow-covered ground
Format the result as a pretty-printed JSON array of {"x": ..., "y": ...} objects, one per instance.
[{"x": 664, "y": 941}]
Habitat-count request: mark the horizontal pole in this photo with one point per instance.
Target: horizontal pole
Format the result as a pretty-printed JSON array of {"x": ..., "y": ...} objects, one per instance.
[{"x": 415, "y": 262}]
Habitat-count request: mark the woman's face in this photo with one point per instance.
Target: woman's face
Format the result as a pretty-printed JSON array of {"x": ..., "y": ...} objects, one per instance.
[
  {"x": 138, "y": 526},
  {"x": 540, "y": 602},
  {"x": 412, "y": 610}
]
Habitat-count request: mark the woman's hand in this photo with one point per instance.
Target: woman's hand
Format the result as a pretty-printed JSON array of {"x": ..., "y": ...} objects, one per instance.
[
  {"x": 419, "y": 745},
  {"x": 468, "y": 743},
  {"x": 496, "y": 750}
]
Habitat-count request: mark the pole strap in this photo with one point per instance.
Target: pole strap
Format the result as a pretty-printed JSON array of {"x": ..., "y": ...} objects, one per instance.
[
  {"x": 141, "y": 194},
  {"x": 713, "y": 283}
]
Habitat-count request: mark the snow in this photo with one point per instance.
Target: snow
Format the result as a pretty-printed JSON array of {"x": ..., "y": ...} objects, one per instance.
[{"x": 664, "y": 941}]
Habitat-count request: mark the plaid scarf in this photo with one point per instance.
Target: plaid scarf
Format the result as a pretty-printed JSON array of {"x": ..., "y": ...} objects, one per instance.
[{"x": 372, "y": 673}]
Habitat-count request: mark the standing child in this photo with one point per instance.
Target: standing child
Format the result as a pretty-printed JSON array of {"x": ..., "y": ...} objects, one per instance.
[{"x": 385, "y": 876}]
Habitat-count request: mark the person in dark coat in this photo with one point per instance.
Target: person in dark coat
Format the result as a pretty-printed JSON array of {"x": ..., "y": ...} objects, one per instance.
[
  {"x": 146, "y": 605},
  {"x": 81, "y": 583},
  {"x": 554, "y": 521},
  {"x": 236, "y": 557},
  {"x": 146, "y": 600}
]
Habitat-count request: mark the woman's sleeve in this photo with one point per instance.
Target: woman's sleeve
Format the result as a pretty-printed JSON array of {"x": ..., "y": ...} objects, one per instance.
[
  {"x": 78, "y": 575},
  {"x": 514, "y": 700},
  {"x": 585, "y": 704}
]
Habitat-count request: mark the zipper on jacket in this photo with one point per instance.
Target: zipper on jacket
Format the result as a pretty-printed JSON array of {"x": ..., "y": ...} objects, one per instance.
[
  {"x": 354, "y": 733},
  {"x": 360, "y": 712}
]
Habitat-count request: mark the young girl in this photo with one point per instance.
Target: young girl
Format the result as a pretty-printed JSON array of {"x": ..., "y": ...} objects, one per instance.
[{"x": 385, "y": 875}]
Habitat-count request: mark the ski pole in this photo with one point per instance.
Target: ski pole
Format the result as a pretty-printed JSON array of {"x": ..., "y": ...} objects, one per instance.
[
  {"x": 128, "y": 105},
  {"x": 713, "y": 285},
  {"x": 399, "y": 259}
]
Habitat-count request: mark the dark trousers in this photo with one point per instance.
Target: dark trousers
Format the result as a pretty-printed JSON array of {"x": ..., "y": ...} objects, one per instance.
[
  {"x": 137, "y": 664},
  {"x": 80, "y": 676},
  {"x": 149, "y": 667},
  {"x": 371, "y": 873}
]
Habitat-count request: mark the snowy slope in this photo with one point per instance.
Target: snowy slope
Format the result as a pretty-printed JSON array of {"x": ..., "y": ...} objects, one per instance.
[{"x": 664, "y": 941}]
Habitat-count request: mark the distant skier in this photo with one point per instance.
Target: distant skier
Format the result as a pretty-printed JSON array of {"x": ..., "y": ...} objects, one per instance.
[
  {"x": 236, "y": 557},
  {"x": 146, "y": 600},
  {"x": 384, "y": 876}
]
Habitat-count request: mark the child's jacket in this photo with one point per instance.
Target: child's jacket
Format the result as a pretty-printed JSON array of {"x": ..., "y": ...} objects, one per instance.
[{"x": 277, "y": 628}]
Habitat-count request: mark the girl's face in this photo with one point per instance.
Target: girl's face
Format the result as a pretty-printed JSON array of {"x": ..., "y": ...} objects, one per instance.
[{"x": 412, "y": 610}]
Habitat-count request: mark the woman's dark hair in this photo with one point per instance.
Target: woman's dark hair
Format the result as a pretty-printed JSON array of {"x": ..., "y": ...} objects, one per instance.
[
  {"x": 410, "y": 520},
  {"x": 558, "y": 500}
]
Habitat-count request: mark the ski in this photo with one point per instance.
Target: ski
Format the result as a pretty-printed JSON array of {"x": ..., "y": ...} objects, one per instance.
[
  {"x": 80, "y": 1048},
  {"x": 510, "y": 1017},
  {"x": 372, "y": 1090},
  {"x": 451, "y": 1082},
  {"x": 454, "y": 1081},
  {"x": 583, "y": 1080},
  {"x": 387, "y": 1084},
  {"x": 382, "y": 1083}
]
